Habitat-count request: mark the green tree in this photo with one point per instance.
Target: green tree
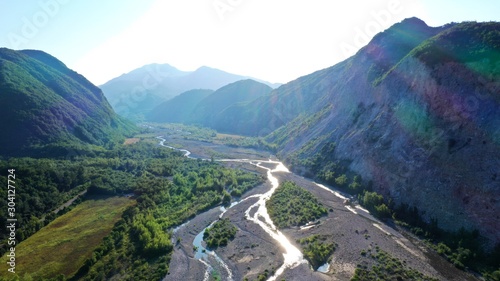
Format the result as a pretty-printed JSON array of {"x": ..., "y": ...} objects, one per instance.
[{"x": 341, "y": 180}]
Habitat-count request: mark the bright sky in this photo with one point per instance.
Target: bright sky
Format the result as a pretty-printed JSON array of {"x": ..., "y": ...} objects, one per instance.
[{"x": 274, "y": 40}]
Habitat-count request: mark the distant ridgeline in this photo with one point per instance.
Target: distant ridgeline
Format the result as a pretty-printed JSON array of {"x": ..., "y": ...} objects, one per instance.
[
  {"x": 206, "y": 107},
  {"x": 48, "y": 108},
  {"x": 414, "y": 115},
  {"x": 135, "y": 94}
]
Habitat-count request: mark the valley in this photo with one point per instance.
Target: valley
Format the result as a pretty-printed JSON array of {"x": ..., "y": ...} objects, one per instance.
[
  {"x": 259, "y": 250},
  {"x": 254, "y": 253},
  {"x": 383, "y": 166}
]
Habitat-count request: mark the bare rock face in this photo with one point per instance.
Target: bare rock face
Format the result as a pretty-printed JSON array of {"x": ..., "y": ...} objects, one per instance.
[
  {"x": 417, "y": 112},
  {"x": 434, "y": 145}
]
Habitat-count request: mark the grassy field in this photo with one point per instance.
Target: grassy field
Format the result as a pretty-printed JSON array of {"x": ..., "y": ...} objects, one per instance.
[{"x": 63, "y": 246}]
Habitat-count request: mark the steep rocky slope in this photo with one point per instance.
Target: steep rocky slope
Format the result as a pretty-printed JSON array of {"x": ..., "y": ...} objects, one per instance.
[
  {"x": 309, "y": 94},
  {"x": 424, "y": 129},
  {"x": 415, "y": 113}
]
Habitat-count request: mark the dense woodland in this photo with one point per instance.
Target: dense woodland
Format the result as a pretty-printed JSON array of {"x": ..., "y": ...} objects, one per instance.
[
  {"x": 316, "y": 249},
  {"x": 292, "y": 205},
  {"x": 219, "y": 234},
  {"x": 168, "y": 188}
]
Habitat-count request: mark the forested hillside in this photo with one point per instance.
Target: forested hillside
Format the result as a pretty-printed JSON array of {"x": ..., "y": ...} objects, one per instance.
[
  {"x": 179, "y": 108},
  {"x": 167, "y": 187},
  {"x": 48, "y": 107},
  {"x": 207, "y": 108}
]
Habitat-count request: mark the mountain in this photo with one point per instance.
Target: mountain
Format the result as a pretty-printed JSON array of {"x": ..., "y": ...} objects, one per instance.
[
  {"x": 415, "y": 114},
  {"x": 45, "y": 104},
  {"x": 207, "y": 111},
  {"x": 309, "y": 94},
  {"x": 179, "y": 108},
  {"x": 202, "y": 107},
  {"x": 134, "y": 94}
]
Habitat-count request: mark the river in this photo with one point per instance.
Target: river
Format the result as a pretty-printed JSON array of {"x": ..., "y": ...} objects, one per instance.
[
  {"x": 353, "y": 217},
  {"x": 292, "y": 256}
]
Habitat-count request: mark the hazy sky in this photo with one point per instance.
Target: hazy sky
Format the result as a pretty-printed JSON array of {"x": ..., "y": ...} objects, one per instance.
[{"x": 274, "y": 40}]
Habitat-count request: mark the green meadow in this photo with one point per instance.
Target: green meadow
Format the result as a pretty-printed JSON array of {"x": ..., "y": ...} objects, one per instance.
[{"x": 63, "y": 246}]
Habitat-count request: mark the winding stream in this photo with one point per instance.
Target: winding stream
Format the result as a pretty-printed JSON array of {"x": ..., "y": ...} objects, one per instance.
[
  {"x": 292, "y": 256},
  {"x": 186, "y": 152}
]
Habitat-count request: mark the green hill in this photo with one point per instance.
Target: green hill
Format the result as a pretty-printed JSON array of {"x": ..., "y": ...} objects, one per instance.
[
  {"x": 203, "y": 107},
  {"x": 207, "y": 111},
  {"x": 179, "y": 108},
  {"x": 46, "y": 105}
]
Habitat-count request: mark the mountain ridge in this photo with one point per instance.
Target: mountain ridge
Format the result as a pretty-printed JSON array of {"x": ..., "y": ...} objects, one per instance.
[
  {"x": 179, "y": 108},
  {"x": 202, "y": 108},
  {"x": 405, "y": 114},
  {"x": 135, "y": 93},
  {"x": 405, "y": 123}
]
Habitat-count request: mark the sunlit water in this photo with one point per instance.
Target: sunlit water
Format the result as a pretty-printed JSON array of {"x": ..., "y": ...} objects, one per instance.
[
  {"x": 162, "y": 143},
  {"x": 292, "y": 256},
  {"x": 324, "y": 268},
  {"x": 202, "y": 254}
]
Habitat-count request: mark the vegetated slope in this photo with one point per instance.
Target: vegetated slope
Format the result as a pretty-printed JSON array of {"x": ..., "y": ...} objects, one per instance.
[
  {"x": 416, "y": 115},
  {"x": 47, "y": 104},
  {"x": 196, "y": 107},
  {"x": 135, "y": 93},
  {"x": 179, "y": 108},
  {"x": 207, "y": 111}
]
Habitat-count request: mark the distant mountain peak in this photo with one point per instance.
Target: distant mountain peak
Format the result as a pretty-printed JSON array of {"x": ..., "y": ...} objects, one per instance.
[
  {"x": 413, "y": 21},
  {"x": 204, "y": 67},
  {"x": 161, "y": 82},
  {"x": 202, "y": 106}
]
